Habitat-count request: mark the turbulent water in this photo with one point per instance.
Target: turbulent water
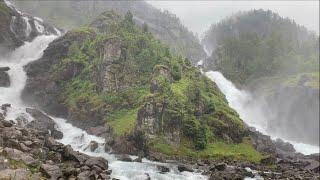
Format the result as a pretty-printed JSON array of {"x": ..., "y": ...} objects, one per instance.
[
  {"x": 73, "y": 136},
  {"x": 251, "y": 111}
]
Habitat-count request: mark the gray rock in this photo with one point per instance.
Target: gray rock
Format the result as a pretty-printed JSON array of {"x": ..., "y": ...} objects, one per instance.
[
  {"x": 220, "y": 166},
  {"x": 182, "y": 168},
  {"x": 124, "y": 157},
  {"x": 4, "y": 68},
  {"x": 4, "y": 79},
  {"x": 98, "y": 161},
  {"x": 16, "y": 174},
  {"x": 93, "y": 146},
  {"x": 51, "y": 171},
  {"x": 18, "y": 155},
  {"x": 163, "y": 169}
]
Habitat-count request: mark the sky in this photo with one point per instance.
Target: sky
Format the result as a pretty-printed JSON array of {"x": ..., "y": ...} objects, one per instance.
[{"x": 197, "y": 16}]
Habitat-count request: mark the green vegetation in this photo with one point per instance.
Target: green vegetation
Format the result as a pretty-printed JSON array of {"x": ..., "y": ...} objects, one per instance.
[
  {"x": 216, "y": 150},
  {"x": 282, "y": 49},
  {"x": 114, "y": 70},
  {"x": 123, "y": 121}
]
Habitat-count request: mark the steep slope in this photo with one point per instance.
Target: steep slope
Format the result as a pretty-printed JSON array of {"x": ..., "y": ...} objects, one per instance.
[
  {"x": 164, "y": 25},
  {"x": 117, "y": 75}
]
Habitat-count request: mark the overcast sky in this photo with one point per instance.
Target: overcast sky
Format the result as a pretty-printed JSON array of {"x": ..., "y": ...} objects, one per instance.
[{"x": 199, "y": 15}]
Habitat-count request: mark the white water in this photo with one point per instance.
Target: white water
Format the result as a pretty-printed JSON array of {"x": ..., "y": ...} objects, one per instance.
[
  {"x": 28, "y": 26},
  {"x": 250, "y": 111},
  {"x": 77, "y": 138}
]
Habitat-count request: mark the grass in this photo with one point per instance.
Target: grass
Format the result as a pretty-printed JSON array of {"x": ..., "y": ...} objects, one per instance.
[
  {"x": 123, "y": 121},
  {"x": 217, "y": 150},
  {"x": 179, "y": 88}
]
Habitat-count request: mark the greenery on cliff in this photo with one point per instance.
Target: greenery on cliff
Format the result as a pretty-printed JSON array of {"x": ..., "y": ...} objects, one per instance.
[
  {"x": 261, "y": 44},
  {"x": 118, "y": 70},
  {"x": 165, "y": 26}
]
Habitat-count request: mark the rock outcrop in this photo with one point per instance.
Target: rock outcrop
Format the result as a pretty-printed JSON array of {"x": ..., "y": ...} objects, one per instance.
[
  {"x": 16, "y": 27},
  {"x": 4, "y": 77}
]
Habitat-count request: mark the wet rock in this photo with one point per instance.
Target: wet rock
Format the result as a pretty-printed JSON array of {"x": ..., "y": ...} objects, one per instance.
[
  {"x": 57, "y": 134},
  {"x": 220, "y": 166},
  {"x": 4, "y": 79},
  {"x": 93, "y": 146},
  {"x": 124, "y": 157},
  {"x": 98, "y": 161},
  {"x": 70, "y": 154},
  {"x": 42, "y": 122},
  {"x": 163, "y": 169},
  {"x": 4, "y": 68},
  {"x": 51, "y": 171},
  {"x": 21, "y": 121},
  {"x": 7, "y": 123},
  {"x": 182, "y": 168},
  {"x": 138, "y": 159}
]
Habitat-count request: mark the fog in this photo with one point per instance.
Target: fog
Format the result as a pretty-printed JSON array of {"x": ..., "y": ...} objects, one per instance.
[{"x": 199, "y": 15}]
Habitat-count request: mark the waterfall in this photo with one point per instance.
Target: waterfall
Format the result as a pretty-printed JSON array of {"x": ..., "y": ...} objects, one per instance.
[
  {"x": 77, "y": 138},
  {"x": 251, "y": 111}
]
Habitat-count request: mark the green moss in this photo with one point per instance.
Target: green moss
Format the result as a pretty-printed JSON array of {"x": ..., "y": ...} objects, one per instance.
[{"x": 123, "y": 121}]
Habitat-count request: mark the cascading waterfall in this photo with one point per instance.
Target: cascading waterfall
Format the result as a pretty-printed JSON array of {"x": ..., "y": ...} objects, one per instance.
[
  {"x": 251, "y": 111},
  {"x": 77, "y": 138}
]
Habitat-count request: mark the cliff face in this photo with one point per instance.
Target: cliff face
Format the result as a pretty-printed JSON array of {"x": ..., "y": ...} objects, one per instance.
[
  {"x": 116, "y": 74},
  {"x": 16, "y": 27}
]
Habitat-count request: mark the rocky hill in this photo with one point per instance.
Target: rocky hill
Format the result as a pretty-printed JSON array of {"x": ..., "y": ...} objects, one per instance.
[
  {"x": 164, "y": 26},
  {"x": 115, "y": 74}
]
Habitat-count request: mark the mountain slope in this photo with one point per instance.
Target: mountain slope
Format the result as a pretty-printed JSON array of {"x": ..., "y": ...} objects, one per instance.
[
  {"x": 260, "y": 43},
  {"x": 164, "y": 25},
  {"x": 117, "y": 75}
]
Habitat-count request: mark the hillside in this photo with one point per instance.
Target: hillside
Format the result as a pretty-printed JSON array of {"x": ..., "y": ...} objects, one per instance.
[
  {"x": 277, "y": 61},
  {"x": 259, "y": 43},
  {"x": 117, "y": 75},
  {"x": 164, "y": 25}
]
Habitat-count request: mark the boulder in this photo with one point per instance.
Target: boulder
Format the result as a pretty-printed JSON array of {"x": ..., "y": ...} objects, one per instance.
[
  {"x": 220, "y": 166},
  {"x": 97, "y": 161},
  {"x": 4, "y": 79},
  {"x": 18, "y": 155},
  {"x": 138, "y": 159},
  {"x": 124, "y": 157},
  {"x": 93, "y": 146},
  {"x": 41, "y": 121},
  {"x": 16, "y": 174},
  {"x": 69, "y": 154},
  {"x": 182, "y": 168},
  {"x": 163, "y": 169},
  {"x": 51, "y": 171}
]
